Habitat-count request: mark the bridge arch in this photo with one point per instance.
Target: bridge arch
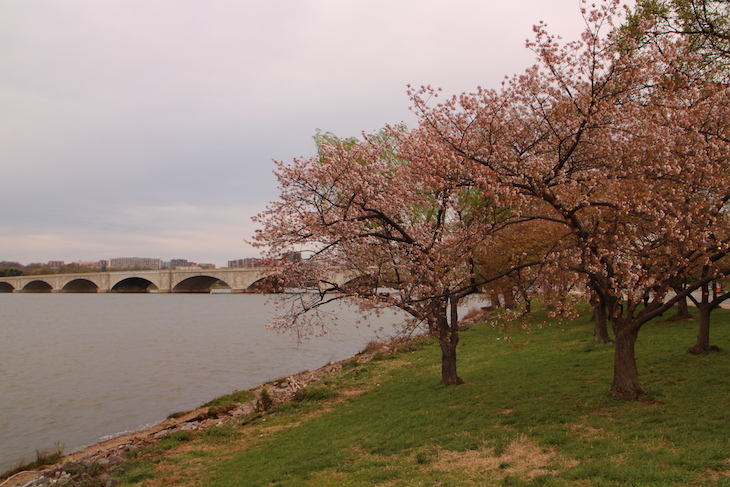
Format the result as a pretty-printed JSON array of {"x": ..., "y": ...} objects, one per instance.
[
  {"x": 197, "y": 284},
  {"x": 37, "y": 286},
  {"x": 363, "y": 282},
  {"x": 6, "y": 287},
  {"x": 267, "y": 284},
  {"x": 80, "y": 285},
  {"x": 132, "y": 285}
]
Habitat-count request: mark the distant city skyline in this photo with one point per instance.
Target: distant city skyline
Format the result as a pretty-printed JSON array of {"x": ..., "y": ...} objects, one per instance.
[{"x": 178, "y": 262}]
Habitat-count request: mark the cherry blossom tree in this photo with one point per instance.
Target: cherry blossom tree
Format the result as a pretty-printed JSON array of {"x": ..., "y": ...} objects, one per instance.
[
  {"x": 613, "y": 140},
  {"x": 704, "y": 26},
  {"x": 398, "y": 211},
  {"x": 528, "y": 240}
]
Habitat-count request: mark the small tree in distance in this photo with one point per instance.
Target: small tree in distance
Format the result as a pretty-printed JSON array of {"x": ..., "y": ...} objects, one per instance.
[{"x": 399, "y": 212}]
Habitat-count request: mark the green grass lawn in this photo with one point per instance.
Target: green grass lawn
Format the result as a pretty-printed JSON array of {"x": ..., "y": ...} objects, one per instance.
[{"x": 533, "y": 412}]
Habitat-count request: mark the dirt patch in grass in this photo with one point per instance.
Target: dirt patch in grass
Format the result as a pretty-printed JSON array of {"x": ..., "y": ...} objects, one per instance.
[
  {"x": 651, "y": 402},
  {"x": 183, "y": 465},
  {"x": 588, "y": 432},
  {"x": 719, "y": 473},
  {"x": 172, "y": 474},
  {"x": 348, "y": 393},
  {"x": 522, "y": 458}
]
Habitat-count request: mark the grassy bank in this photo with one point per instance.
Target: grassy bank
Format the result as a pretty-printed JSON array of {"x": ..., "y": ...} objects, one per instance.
[{"x": 534, "y": 411}]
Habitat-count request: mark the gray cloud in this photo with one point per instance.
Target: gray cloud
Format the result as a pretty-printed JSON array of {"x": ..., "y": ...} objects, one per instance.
[{"x": 148, "y": 127}]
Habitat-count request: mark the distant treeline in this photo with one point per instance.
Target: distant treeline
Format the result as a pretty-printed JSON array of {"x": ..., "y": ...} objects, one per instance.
[{"x": 9, "y": 269}]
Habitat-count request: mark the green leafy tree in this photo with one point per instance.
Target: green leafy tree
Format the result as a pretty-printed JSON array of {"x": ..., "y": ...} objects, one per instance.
[
  {"x": 40, "y": 271},
  {"x": 705, "y": 23}
]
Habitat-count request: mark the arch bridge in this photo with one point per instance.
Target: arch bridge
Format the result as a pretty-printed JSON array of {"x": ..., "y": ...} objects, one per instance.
[{"x": 240, "y": 280}]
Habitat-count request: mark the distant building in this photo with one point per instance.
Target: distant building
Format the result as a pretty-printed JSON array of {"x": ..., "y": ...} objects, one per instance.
[
  {"x": 244, "y": 263},
  {"x": 135, "y": 263},
  {"x": 55, "y": 264},
  {"x": 175, "y": 263},
  {"x": 293, "y": 257}
]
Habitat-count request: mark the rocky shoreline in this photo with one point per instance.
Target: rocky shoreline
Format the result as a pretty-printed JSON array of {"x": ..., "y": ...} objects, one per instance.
[{"x": 104, "y": 458}]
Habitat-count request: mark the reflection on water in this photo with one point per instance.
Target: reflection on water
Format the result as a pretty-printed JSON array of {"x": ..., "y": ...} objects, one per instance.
[{"x": 77, "y": 367}]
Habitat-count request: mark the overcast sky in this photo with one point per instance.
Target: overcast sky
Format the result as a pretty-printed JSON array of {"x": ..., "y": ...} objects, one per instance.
[{"x": 146, "y": 128}]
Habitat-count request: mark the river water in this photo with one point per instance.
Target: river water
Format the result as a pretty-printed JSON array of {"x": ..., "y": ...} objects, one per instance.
[{"x": 76, "y": 368}]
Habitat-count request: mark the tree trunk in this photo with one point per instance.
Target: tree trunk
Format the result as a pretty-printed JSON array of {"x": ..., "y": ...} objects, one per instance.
[
  {"x": 509, "y": 298},
  {"x": 626, "y": 383},
  {"x": 600, "y": 318},
  {"x": 682, "y": 311},
  {"x": 600, "y": 332},
  {"x": 703, "y": 333},
  {"x": 448, "y": 362},
  {"x": 703, "y": 330},
  {"x": 448, "y": 340},
  {"x": 494, "y": 299}
]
